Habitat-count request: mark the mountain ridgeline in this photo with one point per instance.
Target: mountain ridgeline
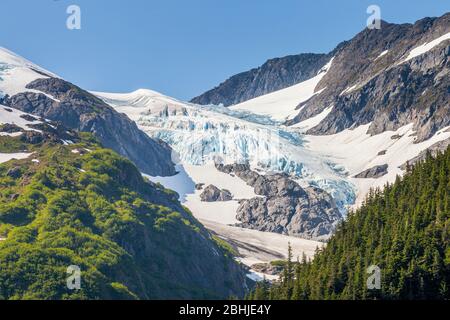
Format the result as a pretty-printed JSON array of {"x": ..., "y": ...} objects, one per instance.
[
  {"x": 404, "y": 230},
  {"x": 59, "y": 100},
  {"x": 79, "y": 204},
  {"x": 388, "y": 77},
  {"x": 273, "y": 75}
]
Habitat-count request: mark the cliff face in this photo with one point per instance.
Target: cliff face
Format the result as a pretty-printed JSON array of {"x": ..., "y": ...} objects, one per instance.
[
  {"x": 389, "y": 77},
  {"x": 80, "y": 110},
  {"x": 283, "y": 206},
  {"x": 274, "y": 75}
]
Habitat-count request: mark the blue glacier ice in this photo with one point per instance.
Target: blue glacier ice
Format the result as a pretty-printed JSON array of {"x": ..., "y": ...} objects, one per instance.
[{"x": 203, "y": 134}]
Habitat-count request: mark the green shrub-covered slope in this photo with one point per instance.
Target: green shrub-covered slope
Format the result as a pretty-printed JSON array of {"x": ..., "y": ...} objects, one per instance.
[{"x": 86, "y": 206}]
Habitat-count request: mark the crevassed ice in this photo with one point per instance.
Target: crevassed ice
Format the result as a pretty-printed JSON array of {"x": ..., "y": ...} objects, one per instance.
[{"x": 199, "y": 137}]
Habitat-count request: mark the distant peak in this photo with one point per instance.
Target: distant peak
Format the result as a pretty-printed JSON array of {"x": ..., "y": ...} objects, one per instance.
[{"x": 11, "y": 58}]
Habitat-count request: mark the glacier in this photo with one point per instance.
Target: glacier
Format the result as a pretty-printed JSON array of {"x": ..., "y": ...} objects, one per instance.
[{"x": 200, "y": 135}]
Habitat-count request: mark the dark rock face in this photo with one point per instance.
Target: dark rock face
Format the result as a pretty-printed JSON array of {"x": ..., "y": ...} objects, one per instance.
[
  {"x": 285, "y": 207},
  {"x": 274, "y": 75},
  {"x": 199, "y": 186},
  {"x": 374, "y": 172},
  {"x": 387, "y": 93},
  {"x": 32, "y": 137},
  {"x": 10, "y": 128},
  {"x": 14, "y": 173},
  {"x": 28, "y": 117},
  {"x": 212, "y": 194},
  {"x": 78, "y": 109}
]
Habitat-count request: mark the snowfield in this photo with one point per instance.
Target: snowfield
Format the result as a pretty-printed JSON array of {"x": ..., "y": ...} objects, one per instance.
[
  {"x": 16, "y": 72},
  {"x": 282, "y": 104}
]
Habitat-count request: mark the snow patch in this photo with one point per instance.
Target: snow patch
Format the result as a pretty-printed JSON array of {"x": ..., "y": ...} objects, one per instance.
[
  {"x": 313, "y": 121},
  {"x": 16, "y": 73},
  {"x": 426, "y": 47},
  {"x": 14, "y": 117},
  {"x": 381, "y": 54},
  {"x": 5, "y": 157}
]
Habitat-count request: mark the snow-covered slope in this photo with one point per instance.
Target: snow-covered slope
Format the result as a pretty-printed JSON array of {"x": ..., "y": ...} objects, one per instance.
[
  {"x": 201, "y": 135},
  {"x": 16, "y": 72},
  {"x": 357, "y": 151},
  {"x": 281, "y": 105},
  {"x": 13, "y": 116}
]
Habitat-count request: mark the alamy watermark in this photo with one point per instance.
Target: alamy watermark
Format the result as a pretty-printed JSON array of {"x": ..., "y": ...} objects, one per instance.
[
  {"x": 374, "y": 20},
  {"x": 74, "y": 279},
  {"x": 73, "y": 21},
  {"x": 374, "y": 279}
]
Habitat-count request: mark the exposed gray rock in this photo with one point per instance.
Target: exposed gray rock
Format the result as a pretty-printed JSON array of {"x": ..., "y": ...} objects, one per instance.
[
  {"x": 274, "y": 75},
  {"x": 78, "y": 109},
  {"x": 10, "y": 128},
  {"x": 212, "y": 194},
  {"x": 268, "y": 268},
  {"x": 388, "y": 94},
  {"x": 199, "y": 186},
  {"x": 32, "y": 137},
  {"x": 374, "y": 172},
  {"x": 284, "y": 206},
  {"x": 28, "y": 117}
]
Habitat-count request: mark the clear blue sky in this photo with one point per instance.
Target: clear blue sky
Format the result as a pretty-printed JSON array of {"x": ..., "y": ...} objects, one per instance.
[{"x": 183, "y": 47}]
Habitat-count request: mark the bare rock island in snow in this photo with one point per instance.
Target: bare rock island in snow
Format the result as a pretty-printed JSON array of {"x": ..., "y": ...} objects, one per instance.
[
  {"x": 211, "y": 193},
  {"x": 284, "y": 206}
]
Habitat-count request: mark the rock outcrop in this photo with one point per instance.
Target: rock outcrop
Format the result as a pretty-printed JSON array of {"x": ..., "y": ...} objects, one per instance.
[
  {"x": 388, "y": 91},
  {"x": 284, "y": 206},
  {"x": 374, "y": 172},
  {"x": 370, "y": 81},
  {"x": 213, "y": 194}
]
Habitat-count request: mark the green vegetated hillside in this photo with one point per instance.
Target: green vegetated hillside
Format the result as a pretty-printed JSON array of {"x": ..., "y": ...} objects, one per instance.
[
  {"x": 86, "y": 206},
  {"x": 403, "y": 229}
]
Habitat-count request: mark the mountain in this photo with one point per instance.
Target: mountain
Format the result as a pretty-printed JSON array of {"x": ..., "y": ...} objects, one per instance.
[
  {"x": 380, "y": 100},
  {"x": 65, "y": 201},
  {"x": 25, "y": 86},
  {"x": 273, "y": 75},
  {"x": 403, "y": 230},
  {"x": 387, "y": 78}
]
